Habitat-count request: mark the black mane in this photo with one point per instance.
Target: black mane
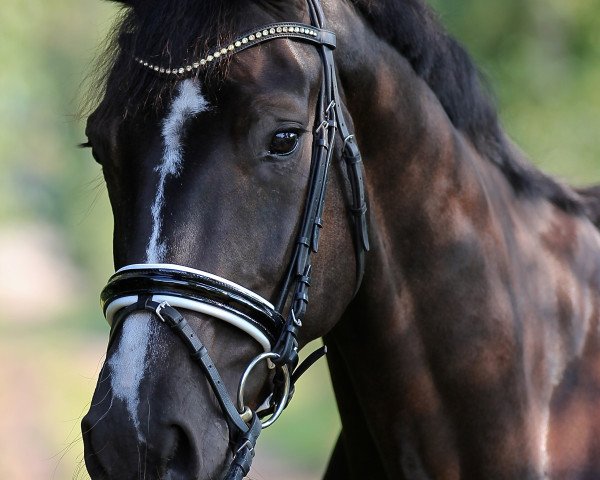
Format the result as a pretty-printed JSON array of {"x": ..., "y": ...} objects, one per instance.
[
  {"x": 178, "y": 30},
  {"x": 412, "y": 27}
]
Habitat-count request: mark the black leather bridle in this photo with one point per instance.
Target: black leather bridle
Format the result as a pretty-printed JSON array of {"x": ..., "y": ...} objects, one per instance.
[{"x": 161, "y": 289}]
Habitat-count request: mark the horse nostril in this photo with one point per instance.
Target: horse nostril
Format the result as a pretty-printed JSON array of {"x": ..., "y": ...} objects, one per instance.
[{"x": 182, "y": 462}]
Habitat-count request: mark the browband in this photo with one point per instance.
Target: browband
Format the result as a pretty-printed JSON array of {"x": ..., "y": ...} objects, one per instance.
[{"x": 296, "y": 31}]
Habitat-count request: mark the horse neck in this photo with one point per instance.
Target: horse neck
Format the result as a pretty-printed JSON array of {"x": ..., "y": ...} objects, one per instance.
[
  {"x": 426, "y": 182},
  {"x": 436, "y": 204}
]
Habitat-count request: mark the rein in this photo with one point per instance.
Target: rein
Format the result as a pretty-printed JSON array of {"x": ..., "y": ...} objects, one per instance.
[{"x": 162, "y": 288}]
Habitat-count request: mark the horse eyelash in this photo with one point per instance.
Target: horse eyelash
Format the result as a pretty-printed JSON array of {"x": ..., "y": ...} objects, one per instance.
[{"x": 87, "y": 144}]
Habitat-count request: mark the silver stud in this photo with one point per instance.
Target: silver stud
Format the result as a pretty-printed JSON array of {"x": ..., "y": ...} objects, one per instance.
[
  {"x": 195, "y": 65},
  {"x": 296, "y": 29},
  {"x": 145, "y": 64},
  {"x": 188, "y": 68},
  {"x": 245, "y": 40},
  {"x": 162, "y": 70},
  {"x": 285, "y": 29},
  {"x": 271, "y": 31},
  {"x": 251, "y": 37},
  {"x": 209, "y": 58},
  {"x": 301, "y": 30},
  {"x": 279, "y": 29},
  {"x": 265, "y": 32},
  {"x": 258, "y": 35},
  {"x": 181, "y": 69},
  {"x": 217, "y": 54},
  {"x": 203, "y": 62},
  {"x": 238, "y": 44},
  {"x": 230, "y": 47},
  {"x": 223, "y": 51},
  {"x": 156, "y": 69}
]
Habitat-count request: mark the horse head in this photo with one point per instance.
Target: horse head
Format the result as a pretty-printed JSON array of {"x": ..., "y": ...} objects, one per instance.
[{"x": 216, "y": 166}]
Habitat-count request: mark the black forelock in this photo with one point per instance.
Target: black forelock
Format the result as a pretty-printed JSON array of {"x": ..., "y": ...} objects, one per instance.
[{"x": 166, "y": 32}]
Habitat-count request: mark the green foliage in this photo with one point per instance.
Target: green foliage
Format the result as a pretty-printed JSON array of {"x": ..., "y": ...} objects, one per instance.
[
  {"x": 542, "y": 59},
  {"x": 45, "y": 179}
]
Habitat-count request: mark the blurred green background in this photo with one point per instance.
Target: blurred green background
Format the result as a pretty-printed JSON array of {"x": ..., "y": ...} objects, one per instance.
[{"x": 541, "y": 58}]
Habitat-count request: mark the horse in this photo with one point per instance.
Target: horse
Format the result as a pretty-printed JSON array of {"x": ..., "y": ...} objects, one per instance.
[{"x": 456, "y": 286}]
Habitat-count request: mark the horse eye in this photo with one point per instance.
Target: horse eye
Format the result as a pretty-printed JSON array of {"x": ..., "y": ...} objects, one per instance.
[{"x": 283, "y": 143}]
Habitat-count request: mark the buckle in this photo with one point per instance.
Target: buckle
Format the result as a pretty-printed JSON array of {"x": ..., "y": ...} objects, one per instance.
[
  {"x": 247, "y": 444},
  {"x": 297, "y": 321},
  {"x": 322, "y": 126},
  {"x": 329, "y": 107},
  {"x": 347, "y": 139},
  {"x": 160, "y": 308}
]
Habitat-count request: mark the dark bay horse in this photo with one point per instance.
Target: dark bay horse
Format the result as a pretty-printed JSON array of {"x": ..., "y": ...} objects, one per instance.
[{"x": 471, "y": 349}]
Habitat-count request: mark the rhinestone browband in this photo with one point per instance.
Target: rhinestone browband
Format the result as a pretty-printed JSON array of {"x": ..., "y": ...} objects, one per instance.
[{"x": 276, "y": 30}]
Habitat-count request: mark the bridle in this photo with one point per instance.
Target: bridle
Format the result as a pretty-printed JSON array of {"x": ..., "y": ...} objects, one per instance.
[{"x": 162, "y": 288}]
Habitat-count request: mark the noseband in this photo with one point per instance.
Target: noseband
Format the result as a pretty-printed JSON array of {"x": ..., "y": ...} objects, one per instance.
[{"x": 162, "y": 288}]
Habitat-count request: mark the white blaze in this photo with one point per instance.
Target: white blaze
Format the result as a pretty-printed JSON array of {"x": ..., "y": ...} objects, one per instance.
[
  {"x": 188, "y": 103},
  {"x": 128, "y": 363},
  {"x": 135, "y": 352}
]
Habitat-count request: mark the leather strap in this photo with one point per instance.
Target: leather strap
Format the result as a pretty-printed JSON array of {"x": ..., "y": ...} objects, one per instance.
[
  {"x": 329, "y": 118},
  {"x": 244, "y": 452},
  {"x": 178, "y": 323}
]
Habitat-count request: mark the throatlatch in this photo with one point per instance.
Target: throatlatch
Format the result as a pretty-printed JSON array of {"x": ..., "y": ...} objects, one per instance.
[{"x": 163, "y": 288}]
